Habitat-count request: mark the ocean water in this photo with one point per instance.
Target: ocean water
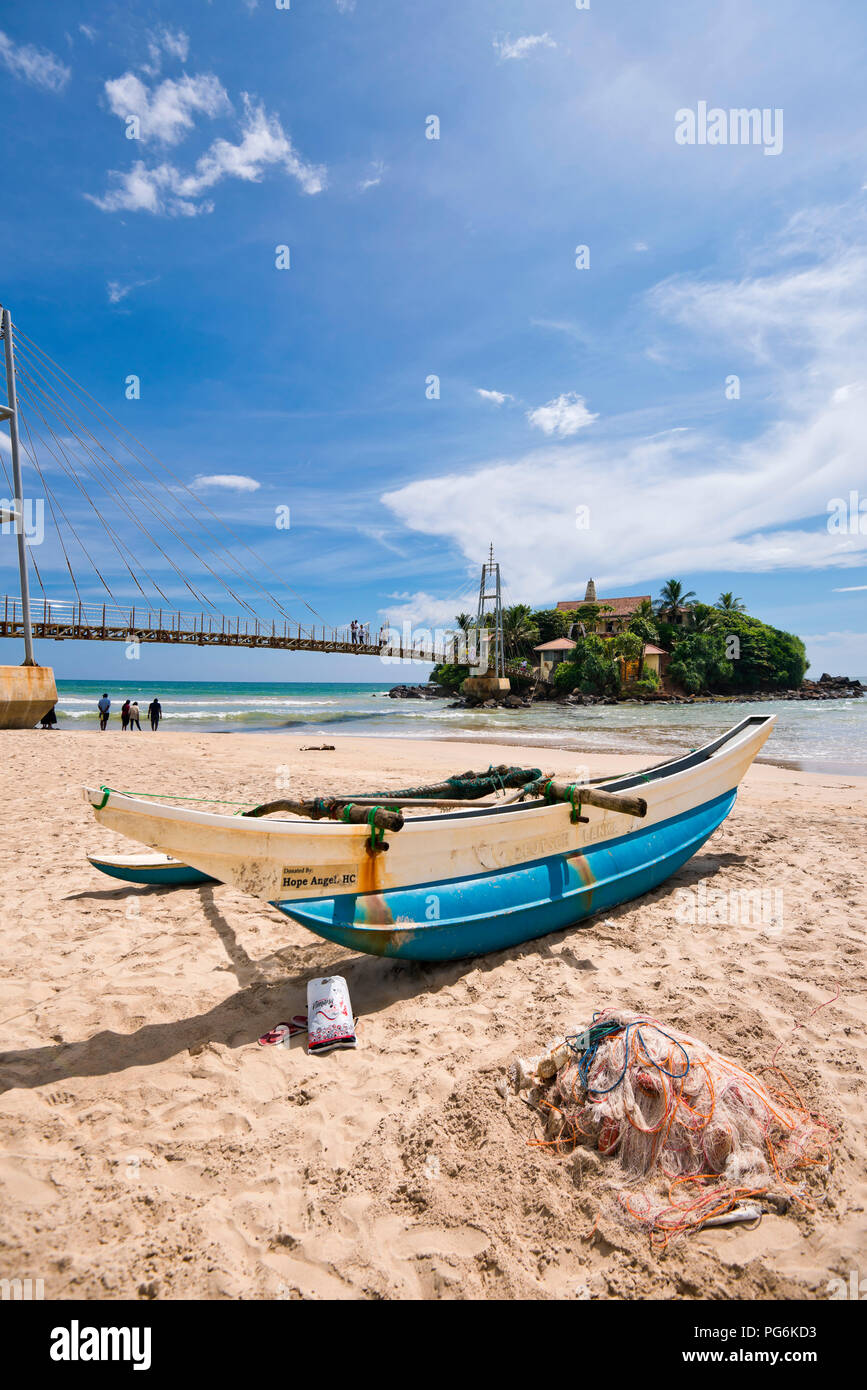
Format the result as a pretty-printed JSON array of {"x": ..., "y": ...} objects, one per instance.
[{"x": 817, "y": 735}]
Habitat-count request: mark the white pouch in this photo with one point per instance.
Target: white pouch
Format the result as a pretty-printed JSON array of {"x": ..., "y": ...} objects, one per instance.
[{"x": 330, "y": 1022}]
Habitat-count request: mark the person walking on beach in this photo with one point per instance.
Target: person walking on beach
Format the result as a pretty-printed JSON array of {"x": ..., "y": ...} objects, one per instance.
[
  {"x": 103, "y": 704},
  {"x": 155, "y": 710},
  {"x": 134, "y": 717},
  {"x": 124, "y": 716}
]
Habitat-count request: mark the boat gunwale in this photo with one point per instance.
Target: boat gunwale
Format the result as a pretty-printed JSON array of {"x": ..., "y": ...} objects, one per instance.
[{"x": 657, "y": 774}]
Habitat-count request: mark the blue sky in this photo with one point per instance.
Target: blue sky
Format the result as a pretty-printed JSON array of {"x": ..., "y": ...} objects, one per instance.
[{"x": 601, "y": 388}]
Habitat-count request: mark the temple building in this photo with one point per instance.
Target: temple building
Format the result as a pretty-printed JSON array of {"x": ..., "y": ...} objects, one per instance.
[{"x": 620, "y": 610}]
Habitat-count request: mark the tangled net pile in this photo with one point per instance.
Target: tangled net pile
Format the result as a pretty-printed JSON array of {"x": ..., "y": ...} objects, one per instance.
[{"x": 666, "y": 1104}]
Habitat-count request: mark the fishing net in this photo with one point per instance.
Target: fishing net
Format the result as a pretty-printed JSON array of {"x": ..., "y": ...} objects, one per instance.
[{"x": 704, "y": 1132}]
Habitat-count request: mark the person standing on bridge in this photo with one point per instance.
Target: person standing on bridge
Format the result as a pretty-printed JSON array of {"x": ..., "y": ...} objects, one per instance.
[
  {"x": 103, "y": 704},
  {"x": 134, "y": 717},
  {"x": 353, "y": 627},
  {"x": 155, "y": 710}
]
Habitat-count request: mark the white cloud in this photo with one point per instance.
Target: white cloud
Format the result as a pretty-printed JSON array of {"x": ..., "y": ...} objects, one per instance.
[
  {"x": 498, "y": 397},
  {"x": 564, "y": 416},
  {"x": 232, "y": 482},
  {"x": 374, "y": 178},
  {"x": 851, "y": 589},
  {"x": 426, "y": 609},
  {"x": 34, "y": 65},
  {"x": 640, "y": 246},
  {"x": 689, "y": 501},
  {"x": 167, "y": 113},
  {"x": 508, "y": 48},
  {"x": 171, "y": 42},
  {"x": 345, "y": 6},
  {"x": 117, "y": 292},
  {"x": 164, "y": 189},
  {"x": 87, "y": 31},
  {"x": 176, "y": 44}
]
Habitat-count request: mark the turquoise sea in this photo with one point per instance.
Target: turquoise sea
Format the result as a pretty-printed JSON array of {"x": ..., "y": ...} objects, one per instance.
[{"x": 826, "y": 736}]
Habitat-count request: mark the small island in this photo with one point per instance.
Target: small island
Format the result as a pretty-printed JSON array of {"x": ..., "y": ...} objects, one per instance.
[{"x": 676, "y": 649}]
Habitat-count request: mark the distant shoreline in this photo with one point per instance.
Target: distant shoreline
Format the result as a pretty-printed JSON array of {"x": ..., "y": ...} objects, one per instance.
[{"x": 609, "y": 746}]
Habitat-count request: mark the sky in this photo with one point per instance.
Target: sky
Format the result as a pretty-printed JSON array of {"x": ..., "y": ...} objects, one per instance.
[{"x": 561, "y": 326}]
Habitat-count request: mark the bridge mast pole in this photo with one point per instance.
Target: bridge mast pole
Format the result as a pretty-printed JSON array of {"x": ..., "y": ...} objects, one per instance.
[{"x": 10, "y": 413}]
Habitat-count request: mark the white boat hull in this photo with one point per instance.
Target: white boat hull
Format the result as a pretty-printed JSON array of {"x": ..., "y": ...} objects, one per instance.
[{"x": 280, "y": 860}]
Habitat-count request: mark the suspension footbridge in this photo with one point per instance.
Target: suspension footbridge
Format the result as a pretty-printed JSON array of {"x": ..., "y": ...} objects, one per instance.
[
  {"x": 127, "y": 535},
  {"x": 61, "y": 621}
]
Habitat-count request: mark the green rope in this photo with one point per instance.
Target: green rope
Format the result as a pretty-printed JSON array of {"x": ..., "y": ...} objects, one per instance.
[
  {"x": 167, "y": 796},
  {"x": 377, "y": 832},
  {"x": 347, "y": 808},
  {"x": 576, "y": 810}
]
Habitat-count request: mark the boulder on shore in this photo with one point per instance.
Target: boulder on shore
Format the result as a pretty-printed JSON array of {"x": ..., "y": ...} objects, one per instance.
[{"x": 431, "y": 691}]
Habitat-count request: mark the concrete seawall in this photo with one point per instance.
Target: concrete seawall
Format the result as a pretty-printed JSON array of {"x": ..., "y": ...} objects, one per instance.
[{"x": 26, "y": 693}]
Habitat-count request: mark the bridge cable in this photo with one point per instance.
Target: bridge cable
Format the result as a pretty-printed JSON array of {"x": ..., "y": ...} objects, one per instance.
[
  {"x": 222, "y": 558},
  {"x": 259, "y": 560},
  {"x": 115, "y": 494}
]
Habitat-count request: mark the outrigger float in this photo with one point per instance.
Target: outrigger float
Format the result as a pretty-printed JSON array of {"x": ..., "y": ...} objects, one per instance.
[{"x": 460, "y": 881}]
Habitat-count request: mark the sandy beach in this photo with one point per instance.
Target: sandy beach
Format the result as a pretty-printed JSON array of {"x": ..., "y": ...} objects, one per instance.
[{"x": 151, "y": 1149}]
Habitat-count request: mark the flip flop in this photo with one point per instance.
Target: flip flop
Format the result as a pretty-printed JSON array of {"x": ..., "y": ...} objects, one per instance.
[
  {"x": 298, "y": 1025},
  {"x": 276, "y": 1035}
]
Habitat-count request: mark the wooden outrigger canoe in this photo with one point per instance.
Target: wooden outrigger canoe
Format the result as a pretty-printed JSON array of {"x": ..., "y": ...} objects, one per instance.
[
  {"x": 159, "y": 870},
  {"x": 468, "y": 881}
]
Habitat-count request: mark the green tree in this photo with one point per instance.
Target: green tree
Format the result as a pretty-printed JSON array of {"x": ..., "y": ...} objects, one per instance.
[
  {"x": 592, "y": 668},
  {"x": 727, "y": 603},
  {"x": 520, "y": 633},
  {"x": 699, "y": 663},
  {"x": 552, "y": 623},
  {"x": 644, "y": 627},
  {"x": 671, "y": 598},
  {"x": 764, "y": 657},
  {"x": 704, "y": 618},
  {"x": 452, "y": 677}
]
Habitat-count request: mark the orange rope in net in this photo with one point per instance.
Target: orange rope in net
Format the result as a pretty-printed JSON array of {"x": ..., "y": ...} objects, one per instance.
[{"x": 667, "y": 1106}]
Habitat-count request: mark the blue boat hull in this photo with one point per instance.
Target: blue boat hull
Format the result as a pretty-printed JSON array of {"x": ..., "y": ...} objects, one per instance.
[
  {"x": 493, "y": 911},
  {"x": 164, "y": 875}
]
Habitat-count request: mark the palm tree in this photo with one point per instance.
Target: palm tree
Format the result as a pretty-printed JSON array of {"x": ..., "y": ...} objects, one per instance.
[
  {"x": 705, "y": 618},
  {"x": 519, "y": 630},
  {"x": 671, "y": 598},
  {"x": 727, "y": 603},
  {"x": 464, "y": 621}
]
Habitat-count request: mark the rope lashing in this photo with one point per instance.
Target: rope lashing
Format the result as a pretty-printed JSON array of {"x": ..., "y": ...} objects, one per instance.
[
  {"x": 575, "y": 815},
  {"x": 377, "y": 832}
]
